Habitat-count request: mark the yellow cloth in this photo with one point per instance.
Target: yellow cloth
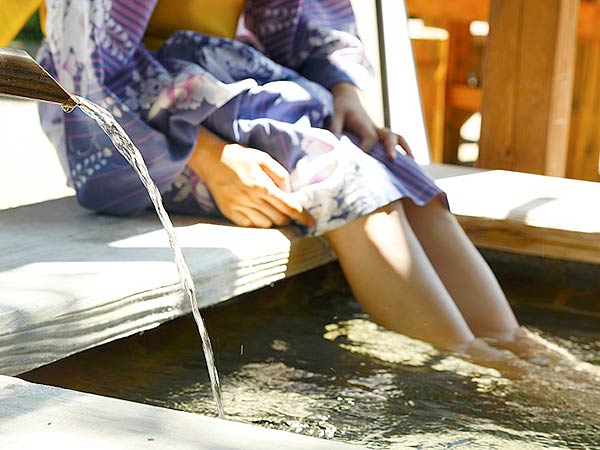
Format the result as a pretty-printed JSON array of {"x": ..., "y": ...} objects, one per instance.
[
  {"x": 13, "y": 15},
  {"x": 215, "y": 17}
]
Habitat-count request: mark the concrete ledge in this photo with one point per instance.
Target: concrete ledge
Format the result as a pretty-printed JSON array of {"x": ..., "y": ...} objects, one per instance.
[
  {"x": 33, "y": 416},
  {"x": 71, "y": 280}
]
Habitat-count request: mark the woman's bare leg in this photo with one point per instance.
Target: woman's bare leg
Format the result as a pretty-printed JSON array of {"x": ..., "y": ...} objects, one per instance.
[
  {"x": 392, "y": 278},
  {"x": 465, "y": 274},
  {"x": 476, "y": 292}
]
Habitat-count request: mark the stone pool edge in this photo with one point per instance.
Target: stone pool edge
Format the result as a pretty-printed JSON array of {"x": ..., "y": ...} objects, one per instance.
[{"x": 39, "y": 416}]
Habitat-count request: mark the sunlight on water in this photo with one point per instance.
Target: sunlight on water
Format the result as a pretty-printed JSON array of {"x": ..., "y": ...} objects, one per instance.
[
  {"x": 364, "y": 337},
  {"x": 131, "y": 153},
  {"x": 303, "y": 357}
]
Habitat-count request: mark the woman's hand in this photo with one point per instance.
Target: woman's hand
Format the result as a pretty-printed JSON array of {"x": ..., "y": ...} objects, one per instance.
[
  {"x": 349, "y": 114},
  {"x": 250, "y": 188}
]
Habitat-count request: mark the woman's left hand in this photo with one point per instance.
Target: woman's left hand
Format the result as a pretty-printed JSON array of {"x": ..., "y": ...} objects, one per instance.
[{"x": 349, "y": 114}]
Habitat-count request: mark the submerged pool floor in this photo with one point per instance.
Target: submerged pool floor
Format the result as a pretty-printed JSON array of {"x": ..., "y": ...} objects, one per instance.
[{"x": 301, "y": 356}]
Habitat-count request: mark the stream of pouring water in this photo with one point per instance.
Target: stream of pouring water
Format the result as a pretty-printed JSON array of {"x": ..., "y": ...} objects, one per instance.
[{"x": 126, "y": 147}]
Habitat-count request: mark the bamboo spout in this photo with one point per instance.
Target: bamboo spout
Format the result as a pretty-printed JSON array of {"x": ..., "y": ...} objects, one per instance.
[{"x": 22, "y": 76}]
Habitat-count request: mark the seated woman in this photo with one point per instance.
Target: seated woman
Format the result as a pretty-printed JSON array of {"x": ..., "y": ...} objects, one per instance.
[{"x": 265, "y": 134}]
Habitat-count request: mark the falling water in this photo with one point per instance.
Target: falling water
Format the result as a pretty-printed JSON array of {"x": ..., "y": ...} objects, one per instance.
[{"x": 131, "y": 153}]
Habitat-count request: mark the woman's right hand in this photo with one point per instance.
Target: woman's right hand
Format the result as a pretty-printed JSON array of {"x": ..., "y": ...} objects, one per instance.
[{"x": 250, "y": 188}]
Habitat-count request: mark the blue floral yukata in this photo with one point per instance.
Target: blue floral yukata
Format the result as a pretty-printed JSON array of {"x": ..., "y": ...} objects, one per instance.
[{"x": 271, "y": 93}]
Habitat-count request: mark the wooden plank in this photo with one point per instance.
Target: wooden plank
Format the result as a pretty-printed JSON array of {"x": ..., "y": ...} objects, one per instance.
[
  {"x": 513, "y": 237},
  {"x": 528, "y": 81},
  {"x": 524, "y": 213},
  {"x": 584, "y": 138},
  {"x": 71, "y": 280},
  {"x": 34, "y": 416},
  {"x": 464, "y": 97},
  {"x": 450, "y": 10},
  {"x": 588, "y": 27}
]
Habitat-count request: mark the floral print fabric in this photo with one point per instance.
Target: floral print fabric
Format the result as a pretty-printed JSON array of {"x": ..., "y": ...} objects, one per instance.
[{"x": 272, "y": 96}]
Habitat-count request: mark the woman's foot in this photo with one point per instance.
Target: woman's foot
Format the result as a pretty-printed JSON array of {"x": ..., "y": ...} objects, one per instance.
[{"x": 533, "y": 348}]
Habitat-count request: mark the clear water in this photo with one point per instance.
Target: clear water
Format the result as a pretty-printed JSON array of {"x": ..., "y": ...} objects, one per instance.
[
  {"x": 131, "y": 153},
  {"x": 302, "y": 357}
]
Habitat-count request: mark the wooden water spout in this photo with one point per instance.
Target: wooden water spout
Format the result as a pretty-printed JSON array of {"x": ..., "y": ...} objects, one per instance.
[{"x": 22, "y": 76}]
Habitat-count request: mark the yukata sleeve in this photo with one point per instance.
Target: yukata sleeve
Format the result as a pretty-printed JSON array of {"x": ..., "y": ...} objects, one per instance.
[
  {"x": 95, "y": 50},
  {"x": 317, "y": 38}
]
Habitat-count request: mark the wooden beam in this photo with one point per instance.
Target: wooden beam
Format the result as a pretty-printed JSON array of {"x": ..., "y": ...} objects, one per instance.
[
  {"x": 452, "y": 11},
  {"x": 459, "y": 66},
  {"x": 528, "y": 84},
  {"x": 466, "y": 11},
  {"x": 464, "y": 97},
  {"x": 589, "y": 21}
]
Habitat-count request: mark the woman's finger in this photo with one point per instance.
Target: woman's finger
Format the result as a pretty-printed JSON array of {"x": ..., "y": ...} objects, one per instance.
[
  {"x": 276, "y": 172},
  {"x": 256, "y": 217},
  {"x": 289, "y": 206},
  {"x": 238, "y": 218},
  {"x": 368, "y": 135},
  {"x": 405, "y": 146},
  {"x": 389, "y": 140},
  {"x": 275, "y": 215}
]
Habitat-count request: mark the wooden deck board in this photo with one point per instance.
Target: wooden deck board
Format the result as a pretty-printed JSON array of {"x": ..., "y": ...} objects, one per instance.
[
  {"x": 33, "y": 416},
  {"x": 524, "y": 213},
  {"x": 71, "y": 279}
]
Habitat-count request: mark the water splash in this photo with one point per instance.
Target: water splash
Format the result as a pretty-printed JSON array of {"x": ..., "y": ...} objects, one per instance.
[{"x": 131, "y": 153}]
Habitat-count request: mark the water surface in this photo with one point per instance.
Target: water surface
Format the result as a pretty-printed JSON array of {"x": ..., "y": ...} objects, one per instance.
[{"x": 301, "y": 356}]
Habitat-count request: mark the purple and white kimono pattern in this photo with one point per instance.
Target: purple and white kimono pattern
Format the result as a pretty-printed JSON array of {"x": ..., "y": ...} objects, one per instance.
[{"x": 272, "y": 95}]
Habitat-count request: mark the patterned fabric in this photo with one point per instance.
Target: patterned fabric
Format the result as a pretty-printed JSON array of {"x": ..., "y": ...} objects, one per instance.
[{"x": 271, "y": 96}]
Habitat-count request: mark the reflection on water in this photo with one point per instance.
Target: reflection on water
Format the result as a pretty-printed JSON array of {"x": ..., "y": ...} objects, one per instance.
[{"x": 302, "y": 357}]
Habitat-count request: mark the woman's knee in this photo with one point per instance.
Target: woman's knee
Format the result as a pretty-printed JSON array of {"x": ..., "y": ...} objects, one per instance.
[{"x": 433, "y": 213}]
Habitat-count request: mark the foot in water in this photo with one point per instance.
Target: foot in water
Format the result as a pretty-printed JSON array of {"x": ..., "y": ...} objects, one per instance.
[
  {"x": 527, "y": 354},
  {"x": 533, "y": 348}
]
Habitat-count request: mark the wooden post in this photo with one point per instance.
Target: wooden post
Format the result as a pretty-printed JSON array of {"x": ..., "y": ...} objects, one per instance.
[
  {"x": 528, "y": 84},
  {"x": 430, "y": 48},
  {"x": 584, "y": 140},
  {"x": 459, "y": 65}
]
